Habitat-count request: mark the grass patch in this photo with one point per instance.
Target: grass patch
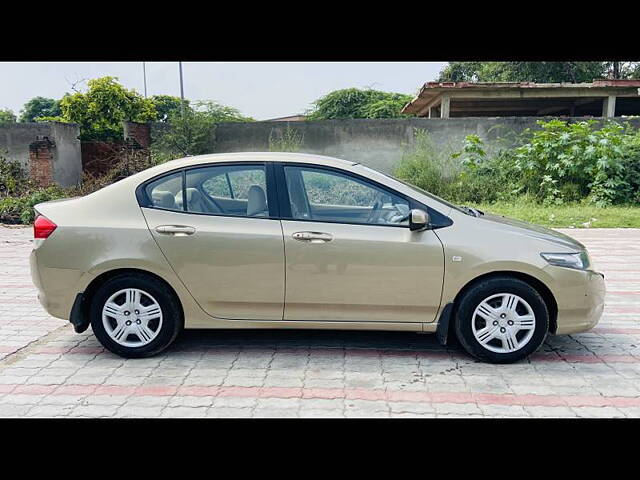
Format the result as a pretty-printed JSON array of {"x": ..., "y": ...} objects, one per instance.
[{"x": 567, "y": 216}]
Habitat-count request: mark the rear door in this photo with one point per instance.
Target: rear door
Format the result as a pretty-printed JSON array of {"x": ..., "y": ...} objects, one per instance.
[{"x": 218, "y": 227}]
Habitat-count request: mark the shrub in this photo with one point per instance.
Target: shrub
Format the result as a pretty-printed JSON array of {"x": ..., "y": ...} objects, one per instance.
[
  {"x": 18, "y": 194},
  {"x": 428, "y": 167},
  {"x": 469, "y": 175},
  {"x": 125, "y": 162},
  {"x": 562, "y": 162},
  {"x": 13, "y": 179},
  {"x": 288, "y": 141},
  {"x": 20, "y": 209}
]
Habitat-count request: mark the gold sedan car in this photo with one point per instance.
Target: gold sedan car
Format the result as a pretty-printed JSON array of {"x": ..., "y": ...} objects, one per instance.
[{"x": 288, "y": 240}]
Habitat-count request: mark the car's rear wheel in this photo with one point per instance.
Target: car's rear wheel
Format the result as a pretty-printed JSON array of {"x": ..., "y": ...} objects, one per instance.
[
  {"x": 501, "y": 320},
  {"x": 135, "y": 315}
]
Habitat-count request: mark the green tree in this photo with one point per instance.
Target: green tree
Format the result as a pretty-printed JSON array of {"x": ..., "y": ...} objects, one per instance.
[
  {"x": 461, "y": 72},
  {"x": 190, "y": 131},
  {"x": 623, "y": 70},
  {"x": 7, "y": 116},
  {"x": 102, "y": 109},
  {"x": 358, "y": 103},
  {"x": 185, "y": 133},
  {"x": 220, "y": 113},
  {"x": 166, "y": 105},
  {"x": 39, "y": 107},
  {"x": 542, "y": 72}
]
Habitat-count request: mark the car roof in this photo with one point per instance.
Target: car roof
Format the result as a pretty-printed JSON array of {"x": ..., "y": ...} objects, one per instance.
[
  {"x": 159, "y": 170},
  {"x": 257, "y": 156}
]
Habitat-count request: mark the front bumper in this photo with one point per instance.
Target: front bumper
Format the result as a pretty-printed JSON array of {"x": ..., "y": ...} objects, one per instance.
[{"x": 580, "y": 298}]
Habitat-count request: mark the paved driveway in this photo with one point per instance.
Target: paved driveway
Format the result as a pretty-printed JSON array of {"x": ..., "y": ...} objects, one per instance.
[{"x": 48, "y": 370}]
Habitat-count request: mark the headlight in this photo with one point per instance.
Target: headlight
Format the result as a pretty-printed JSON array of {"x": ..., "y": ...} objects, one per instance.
[{"x": 579, "y": 260}]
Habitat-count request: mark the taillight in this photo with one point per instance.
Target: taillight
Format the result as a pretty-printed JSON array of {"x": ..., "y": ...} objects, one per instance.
[{"x": 43, "y": 227}]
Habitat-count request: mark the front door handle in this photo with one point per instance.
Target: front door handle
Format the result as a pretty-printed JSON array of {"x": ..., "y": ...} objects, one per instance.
[
  {"x": 176, "y": 230},
  {"x": 312, "y": 237}
]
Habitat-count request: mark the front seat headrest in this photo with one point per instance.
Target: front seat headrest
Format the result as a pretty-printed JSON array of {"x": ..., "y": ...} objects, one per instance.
[
  {"x": 256, "y": 201},
  {"x": 163, "y": 199},
  {"x": 194, "y": 200}
]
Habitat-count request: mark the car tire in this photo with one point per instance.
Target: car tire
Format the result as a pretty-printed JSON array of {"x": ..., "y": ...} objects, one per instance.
[
  {"x": 135, "y": 316},
  {"x": 501, "y": 320}
]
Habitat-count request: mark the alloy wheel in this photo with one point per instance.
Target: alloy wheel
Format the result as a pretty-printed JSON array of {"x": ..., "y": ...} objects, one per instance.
[
  {"x": 132, "y": 317},
  {"x": 503, "y": 323}
]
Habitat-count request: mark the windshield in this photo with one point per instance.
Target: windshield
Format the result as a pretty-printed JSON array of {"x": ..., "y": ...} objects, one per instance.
[{"x": 420, "y": 190}]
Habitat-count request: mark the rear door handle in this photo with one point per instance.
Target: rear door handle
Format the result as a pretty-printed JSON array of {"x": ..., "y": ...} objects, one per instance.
[
  {"x": 312, "y": 237},
  {"x": 176, "y": 230}
]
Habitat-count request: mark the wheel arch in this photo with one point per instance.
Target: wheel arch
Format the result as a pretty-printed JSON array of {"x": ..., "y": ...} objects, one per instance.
[
  {"x": 101, "y": 279},
  {"x": 539, "y": 286}
]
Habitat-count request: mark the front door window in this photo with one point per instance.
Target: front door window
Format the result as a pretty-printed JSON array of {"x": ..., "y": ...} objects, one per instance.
[{"x": 324, "y": 195}]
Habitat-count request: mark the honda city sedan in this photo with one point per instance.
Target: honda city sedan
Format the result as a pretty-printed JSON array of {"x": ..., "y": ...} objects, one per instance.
[{"x": 292, "y": 240}]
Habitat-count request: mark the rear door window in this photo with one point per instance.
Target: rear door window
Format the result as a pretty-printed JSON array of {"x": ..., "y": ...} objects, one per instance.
[
  {"x": 239, "y": 190},
  {"x": 166, "y": 192}
]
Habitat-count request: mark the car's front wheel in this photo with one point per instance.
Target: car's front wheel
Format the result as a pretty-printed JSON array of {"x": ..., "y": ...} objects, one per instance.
[
  {"x": 134, "y": 315},
  {"x": 501, "y": 320}
]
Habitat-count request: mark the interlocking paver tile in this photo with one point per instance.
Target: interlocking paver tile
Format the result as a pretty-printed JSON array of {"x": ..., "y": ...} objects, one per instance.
[
  {"x": 188, "y": 401},
  {"x": 46, "y": 411},
  {"x": 46, "y": 370},
  {"x": 184, "y": 412},
  {"x": 93, "y": 411},
  {"x": 554, "y": 412},
  {"x": 229, "y": 412},
  {"x": 274, "y": 413},
  {"x": 503, "y": 411},
  {"x": 133, "y": 411},
  {"x": 598, "y": 412},
  {"x": 456, "y": 408},
  {"x": 13, "y": 410}
]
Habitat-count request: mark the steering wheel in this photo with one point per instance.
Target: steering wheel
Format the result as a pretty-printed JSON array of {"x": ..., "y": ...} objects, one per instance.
[{"x": 374, "y": 216}]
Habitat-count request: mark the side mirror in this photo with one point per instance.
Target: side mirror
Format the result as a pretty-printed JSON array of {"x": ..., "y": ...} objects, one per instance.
[{"x": 418, "y": 220}]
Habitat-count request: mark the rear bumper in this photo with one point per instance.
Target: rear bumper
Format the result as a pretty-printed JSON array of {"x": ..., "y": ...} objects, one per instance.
[
  {"x": 57, "y": 287},
  {"x": 580, "y": 298}
]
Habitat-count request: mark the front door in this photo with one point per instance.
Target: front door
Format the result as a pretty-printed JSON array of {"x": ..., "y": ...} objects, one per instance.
[
  {"x": 217, "y": 233},
  {"x": 350, "y": 255}
]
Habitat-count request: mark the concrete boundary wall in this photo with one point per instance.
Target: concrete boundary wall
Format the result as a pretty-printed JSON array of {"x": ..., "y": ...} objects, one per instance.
[
  {"x": 378, "y": 143},
  {"x": 50, "y": 151}
]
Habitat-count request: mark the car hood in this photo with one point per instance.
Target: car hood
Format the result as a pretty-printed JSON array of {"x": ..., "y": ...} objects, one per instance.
[{"x": 519, "y": 227}]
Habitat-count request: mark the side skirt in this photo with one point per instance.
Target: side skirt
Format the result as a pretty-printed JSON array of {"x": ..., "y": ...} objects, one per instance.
[{"x": 306, "y": 324}]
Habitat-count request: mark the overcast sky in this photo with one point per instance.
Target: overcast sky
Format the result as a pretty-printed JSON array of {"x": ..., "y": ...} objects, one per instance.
[{"x": 258, "y": 89}]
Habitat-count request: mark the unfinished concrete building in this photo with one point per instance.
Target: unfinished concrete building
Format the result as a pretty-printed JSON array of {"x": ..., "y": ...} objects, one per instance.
[{"x": 601, "y": 98}]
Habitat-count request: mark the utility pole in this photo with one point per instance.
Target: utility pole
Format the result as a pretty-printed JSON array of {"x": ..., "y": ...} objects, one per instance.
[
  {"x": 616, "y": 70},
  {"x": 144, "y": 76},
  {"x": 181, "y": 88}
]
